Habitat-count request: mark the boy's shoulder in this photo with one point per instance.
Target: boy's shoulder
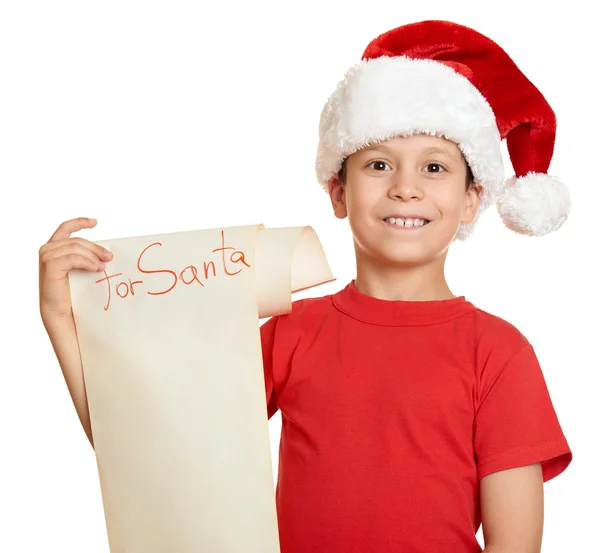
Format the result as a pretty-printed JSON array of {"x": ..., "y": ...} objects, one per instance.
[
  {"x": 493, "y": 332},
  {"x": 309, "y": 305},
  {"x": 304, "y": 310}
]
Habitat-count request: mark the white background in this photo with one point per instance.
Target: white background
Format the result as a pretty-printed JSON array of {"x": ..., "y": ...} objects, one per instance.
[{"x": 165, "y": 116}]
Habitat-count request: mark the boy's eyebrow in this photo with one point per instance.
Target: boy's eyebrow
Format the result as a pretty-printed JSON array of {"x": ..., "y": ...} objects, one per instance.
[
  {"x": 438, "y": 150},
  {"x": 429, "y": 150}
]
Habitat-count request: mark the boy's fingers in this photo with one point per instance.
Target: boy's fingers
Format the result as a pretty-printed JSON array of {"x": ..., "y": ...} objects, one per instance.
[
  {"x": 60, "y": 257},
  {"x": 65, "y": 229},
  {"x": 74, "y": 261},
  {"x": 59, "y": 244}
]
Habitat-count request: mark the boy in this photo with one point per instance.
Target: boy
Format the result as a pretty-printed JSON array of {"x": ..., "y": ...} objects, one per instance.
[{"x": 409, "y": 416}]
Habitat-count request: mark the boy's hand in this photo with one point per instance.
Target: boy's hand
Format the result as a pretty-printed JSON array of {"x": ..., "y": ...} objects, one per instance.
[{"x": 58, "y": 256}]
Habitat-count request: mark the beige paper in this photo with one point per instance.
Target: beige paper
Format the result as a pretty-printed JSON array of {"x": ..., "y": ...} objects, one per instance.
[{"x": 170, "y": 343}]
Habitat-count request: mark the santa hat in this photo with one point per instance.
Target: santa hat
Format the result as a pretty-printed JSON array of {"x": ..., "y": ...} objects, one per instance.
[{"x": 445, "y": 79}]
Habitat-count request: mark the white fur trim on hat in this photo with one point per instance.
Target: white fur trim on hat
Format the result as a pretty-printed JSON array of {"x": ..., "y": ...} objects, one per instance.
[
  {"x": 535, "y": 204},
  {"x": 386, "y": 97}
]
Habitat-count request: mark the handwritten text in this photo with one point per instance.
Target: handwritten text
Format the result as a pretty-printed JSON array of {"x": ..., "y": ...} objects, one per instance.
[{"x": 188, "y": 275}]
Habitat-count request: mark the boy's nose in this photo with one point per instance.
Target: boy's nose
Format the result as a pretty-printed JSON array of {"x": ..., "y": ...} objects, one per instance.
[{"x": 405, "y": 186}]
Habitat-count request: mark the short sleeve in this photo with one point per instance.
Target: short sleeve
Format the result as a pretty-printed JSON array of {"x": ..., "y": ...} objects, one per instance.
[
  {"x": 280, "y": 336},
  {"x": 515, "y": 422},
  {"x": 267, "y": 339}
]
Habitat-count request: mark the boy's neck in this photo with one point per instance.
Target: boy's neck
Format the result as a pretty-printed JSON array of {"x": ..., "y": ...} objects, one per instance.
[{"x": 421, "y": 283}]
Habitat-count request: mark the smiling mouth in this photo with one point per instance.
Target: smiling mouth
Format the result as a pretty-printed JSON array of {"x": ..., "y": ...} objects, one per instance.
[{"x": 409, "y": 224}]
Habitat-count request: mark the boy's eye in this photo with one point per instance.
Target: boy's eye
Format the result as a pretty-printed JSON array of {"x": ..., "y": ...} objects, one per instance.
[
  {"x": 435, "y": 165},
  {"x": 379, "y": 165}
]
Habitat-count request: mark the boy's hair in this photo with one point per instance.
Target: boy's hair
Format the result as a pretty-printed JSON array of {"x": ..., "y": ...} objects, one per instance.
[{"x": 342, "y": 175}]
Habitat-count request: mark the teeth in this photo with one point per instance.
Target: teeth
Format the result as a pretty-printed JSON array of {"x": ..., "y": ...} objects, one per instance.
[{"x": 408, "y": 222}]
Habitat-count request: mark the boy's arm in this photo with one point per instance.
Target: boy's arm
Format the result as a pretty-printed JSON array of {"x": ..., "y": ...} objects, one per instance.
[
  {"x": 512, "y": 510},
  {"x": 58, "y": 256},
  {"x": 63, "y": 336}
]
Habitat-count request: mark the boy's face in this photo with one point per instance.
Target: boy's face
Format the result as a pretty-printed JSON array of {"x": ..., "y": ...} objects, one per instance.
[{"x": 419, "y": 175}]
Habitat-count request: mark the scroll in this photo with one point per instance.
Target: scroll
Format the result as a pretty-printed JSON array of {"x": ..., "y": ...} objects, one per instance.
[{"x": 169, "y": 338}]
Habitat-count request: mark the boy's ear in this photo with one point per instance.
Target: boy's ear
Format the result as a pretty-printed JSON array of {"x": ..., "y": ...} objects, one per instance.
[
  {"x": 472, "y": 198},
  {"x": 338, "y": 201}
]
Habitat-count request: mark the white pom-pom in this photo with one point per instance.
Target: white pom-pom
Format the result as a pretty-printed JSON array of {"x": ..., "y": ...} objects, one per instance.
[{"x": 535, "y": 204}]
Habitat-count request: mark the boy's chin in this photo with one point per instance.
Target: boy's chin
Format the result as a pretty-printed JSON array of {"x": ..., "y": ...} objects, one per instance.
[{"x": 408, "y": 255}]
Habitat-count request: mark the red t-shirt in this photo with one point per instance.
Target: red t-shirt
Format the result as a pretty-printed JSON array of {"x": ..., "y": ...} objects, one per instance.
[{"x": 392, "y": 411}]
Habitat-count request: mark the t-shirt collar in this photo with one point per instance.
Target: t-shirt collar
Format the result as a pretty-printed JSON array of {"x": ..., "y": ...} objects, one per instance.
[{"x": 373, "y": 310}]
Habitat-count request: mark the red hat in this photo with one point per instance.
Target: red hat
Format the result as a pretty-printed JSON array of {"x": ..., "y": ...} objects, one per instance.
[{"x": 445, "y": 79}]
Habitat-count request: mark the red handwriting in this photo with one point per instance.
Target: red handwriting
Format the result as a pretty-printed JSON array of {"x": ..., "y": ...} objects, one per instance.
[{"x": 188, "y": 275}]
